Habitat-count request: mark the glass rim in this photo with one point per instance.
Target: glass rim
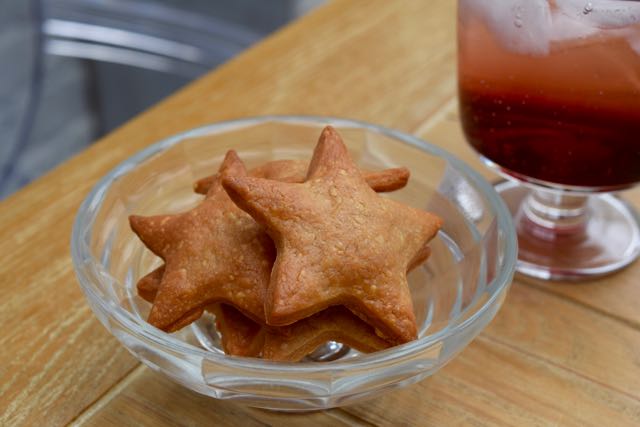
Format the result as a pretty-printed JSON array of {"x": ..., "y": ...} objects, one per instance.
[{"x": 83, "y": 223}]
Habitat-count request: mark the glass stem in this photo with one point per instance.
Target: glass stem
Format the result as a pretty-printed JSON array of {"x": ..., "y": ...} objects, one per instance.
[{"x": 550, "y": 215}]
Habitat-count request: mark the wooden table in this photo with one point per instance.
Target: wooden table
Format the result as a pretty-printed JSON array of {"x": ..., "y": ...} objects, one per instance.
[{"x": 556, "y": 354}]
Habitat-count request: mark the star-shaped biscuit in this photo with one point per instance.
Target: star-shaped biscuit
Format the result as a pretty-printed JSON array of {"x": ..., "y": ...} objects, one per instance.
[
  {"x": 286, "y": 170},
  {"x": 295, "y": 171},
  {"x": 338, "y": 242},
  {"x": 212, "y": 253},
  {"x": 148, "y": 285},
  {"x": 293, "y": 342},
  {"x": 241, "y": 336}
]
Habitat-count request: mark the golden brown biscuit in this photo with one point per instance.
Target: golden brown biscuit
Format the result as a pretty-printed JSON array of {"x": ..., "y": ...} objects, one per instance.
[
  {"x": 212, "y": 253},
  {"x": 239, "y": 335},
  {"x": 338, "y": 242},
  {"x": 295, "y": 171},
  {"x": 242, "y": 336},
  {"x": 286, "y": 170},
  {"x": 420, "y": 257},
  {"x": 148, "y": 285},
  {"x": 292, "y": 343}
]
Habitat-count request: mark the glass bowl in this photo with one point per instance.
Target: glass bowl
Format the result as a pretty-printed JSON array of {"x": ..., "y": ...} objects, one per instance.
[{"x": 456, "y": 292}]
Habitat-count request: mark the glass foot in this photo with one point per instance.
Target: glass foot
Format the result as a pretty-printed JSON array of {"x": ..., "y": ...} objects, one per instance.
[{"x": 567, "y": 237}]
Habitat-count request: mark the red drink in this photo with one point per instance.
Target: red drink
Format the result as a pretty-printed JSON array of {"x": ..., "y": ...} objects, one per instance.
[{"x": 565, "y": 112}]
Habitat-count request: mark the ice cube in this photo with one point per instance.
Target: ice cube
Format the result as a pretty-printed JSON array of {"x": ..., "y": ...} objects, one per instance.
[
  {"x": 603, "y": 14},
  {"x": 522, "y": 26},
  {"x": 565, "y": 27}
]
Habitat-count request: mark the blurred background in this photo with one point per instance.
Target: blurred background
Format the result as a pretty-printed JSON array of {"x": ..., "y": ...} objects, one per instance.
[{"x": 73, "y": 70}]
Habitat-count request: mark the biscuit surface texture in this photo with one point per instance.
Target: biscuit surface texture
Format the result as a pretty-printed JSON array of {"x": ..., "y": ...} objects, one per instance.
[
  {"x": 212, "y": 253},
  {"x": 338, "y": 242}
]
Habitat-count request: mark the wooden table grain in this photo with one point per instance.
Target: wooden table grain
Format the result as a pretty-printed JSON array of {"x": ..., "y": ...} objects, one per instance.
[{"x": 556, "y": 354}]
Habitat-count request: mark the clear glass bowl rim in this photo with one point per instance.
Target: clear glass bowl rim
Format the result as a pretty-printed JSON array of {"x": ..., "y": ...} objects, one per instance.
[{"x": 81, "y": 254}]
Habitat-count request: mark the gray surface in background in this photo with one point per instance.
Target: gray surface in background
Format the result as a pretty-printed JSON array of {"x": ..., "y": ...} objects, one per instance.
[{"x": 81, "y": 99}]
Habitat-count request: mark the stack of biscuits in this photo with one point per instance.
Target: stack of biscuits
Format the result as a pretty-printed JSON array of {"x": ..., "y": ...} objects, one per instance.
[{"x": 290, "y": 255}]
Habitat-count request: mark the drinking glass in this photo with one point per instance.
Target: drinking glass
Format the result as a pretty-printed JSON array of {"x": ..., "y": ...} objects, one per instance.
[{"x": 550, "y": 99}]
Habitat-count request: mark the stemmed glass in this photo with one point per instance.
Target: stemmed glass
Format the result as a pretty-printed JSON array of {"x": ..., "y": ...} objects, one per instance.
[{"x": 550, "y": 98}]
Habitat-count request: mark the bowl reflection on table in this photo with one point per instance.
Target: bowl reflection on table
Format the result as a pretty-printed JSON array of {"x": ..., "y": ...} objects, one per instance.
[{"x": 456, "y": 293}]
